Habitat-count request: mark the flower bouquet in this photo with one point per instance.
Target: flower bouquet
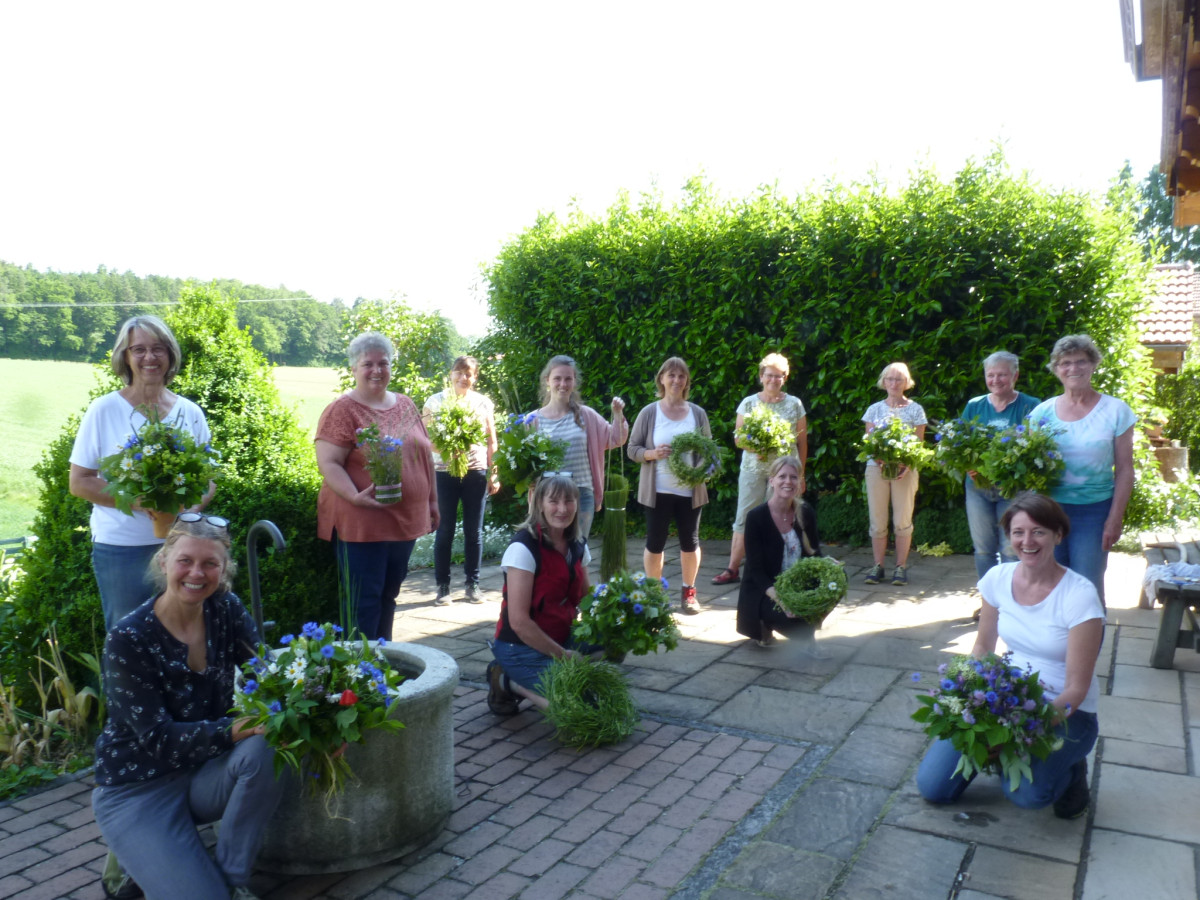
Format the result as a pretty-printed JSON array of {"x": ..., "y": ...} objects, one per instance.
[
  {"x": 627, "y": 614},
  {"x": 315, "y": 696},
  {"x": 960, "y": 446},
  {"x": 453, "y": 430},
  {"x": 893, "y": 445},
  {"x": 1024, "y": 458},
  {"x": 385, "y": 461},
  {"x": 696, "y": 459},
  {"x": 993, "y": 713},
  {"x": 589, "y": 702},
  {"x": 524, "y": 453},
  {"x": 162, "y": 469},
  {"x": 765, "y": 434},
  {"x": 811, "y": 588}
]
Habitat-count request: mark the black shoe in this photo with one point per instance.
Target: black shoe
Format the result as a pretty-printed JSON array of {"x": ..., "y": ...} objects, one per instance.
[
  {"x": 500, "y": 699},
  {"x": 1075, "y": 799},
  {"x": 117, "y": 883}
]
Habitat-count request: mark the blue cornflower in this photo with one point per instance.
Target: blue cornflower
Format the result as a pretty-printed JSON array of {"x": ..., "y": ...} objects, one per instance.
[
  {"x": 287, "y": 639},
  {"x": 137, "y": 456},
  {"x": 637, "y": 608},
  {"x": 990, "y": 696},
  {"x": 1005, "y": 439},
  {"x": 250, "y": 687},
  {"x": 275, "y": 707},
  {"x": 948, "y": 685},
  {"x": 337, "y": 629},
  {"x": 666, "y": 584},
  {"x": 327, "y": 651},
  {"x": 382, "y": 642},
  {"x": 1020, "y": 429},
  {"x": 916, "y": 676},
  {"x": 624, "y": 598},
  {"x": 310, "y": 629},
  {"x": 319, "y": 634}
]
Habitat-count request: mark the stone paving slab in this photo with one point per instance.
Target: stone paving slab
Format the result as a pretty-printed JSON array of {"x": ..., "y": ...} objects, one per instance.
[{"x": 755, "y": 773}]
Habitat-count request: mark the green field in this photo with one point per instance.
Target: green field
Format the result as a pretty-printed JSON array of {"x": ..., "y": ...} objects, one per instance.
[{"x": 38, "y": 396}]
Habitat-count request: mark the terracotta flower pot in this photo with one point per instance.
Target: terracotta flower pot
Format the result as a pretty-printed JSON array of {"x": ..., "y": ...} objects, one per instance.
[{"x": 162, "y": 522}]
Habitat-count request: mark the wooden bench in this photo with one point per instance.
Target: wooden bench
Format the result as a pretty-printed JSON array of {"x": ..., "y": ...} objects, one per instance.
[{"x": 1178, "y": 601}]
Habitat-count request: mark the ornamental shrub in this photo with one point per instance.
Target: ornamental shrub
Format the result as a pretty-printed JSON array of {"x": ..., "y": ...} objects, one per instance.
[
  {"x": 269, "y": 472},
  {"x": 841, "y": 279}
]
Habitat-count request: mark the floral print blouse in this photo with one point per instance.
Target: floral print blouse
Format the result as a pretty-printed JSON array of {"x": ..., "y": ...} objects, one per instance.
[{"x": 162, "y": 715}]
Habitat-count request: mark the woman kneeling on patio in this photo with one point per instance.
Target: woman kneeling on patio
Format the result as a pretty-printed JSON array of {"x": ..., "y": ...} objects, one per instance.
[{"x": 1051, "y": 619}]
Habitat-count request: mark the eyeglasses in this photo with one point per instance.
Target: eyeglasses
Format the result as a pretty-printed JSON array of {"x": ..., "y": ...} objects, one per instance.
[
  {"x": 140, "y": 352},
  {"x": 1075, "y": 364},
  {"x": 215, "y": 521},
  {"x": 556, "y": 474}
]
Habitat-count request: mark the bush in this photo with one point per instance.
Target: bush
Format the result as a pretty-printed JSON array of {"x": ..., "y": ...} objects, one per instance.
[
  {"x": 841, "y": 280},
  {"x": 947, "y": 524},
  {"x": 842, "y": 518}
]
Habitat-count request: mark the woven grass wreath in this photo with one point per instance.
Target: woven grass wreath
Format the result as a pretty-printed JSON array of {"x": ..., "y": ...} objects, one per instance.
[
  {"x": 712, "y": 459},
  {"x": 811, "y": 588},
  {"x": 589, "y": 702}
]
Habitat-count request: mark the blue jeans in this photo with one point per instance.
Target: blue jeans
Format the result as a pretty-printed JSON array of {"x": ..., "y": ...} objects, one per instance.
[
  {"x": 151, "y": 825},
  {"x": 524, "y": 665},
  {"x": 1081, "y": 549},
  {"x": 471, "y": 489},
  {"x": 123, "y": 576},
  {"x": 370, "y": 574},
  {"x": 984, "y": 509},
  {"x": 1051, "y": 776},
  {"x": 587, "y": 512}
]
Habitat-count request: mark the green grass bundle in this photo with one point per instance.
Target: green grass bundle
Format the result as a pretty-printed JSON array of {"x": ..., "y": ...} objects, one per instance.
[
  {"x": 612, "y": 539},
  {"x": 811, "y": 588},
  {"x": 589, "y": 702},
  {"x": 695, "y": 459}
]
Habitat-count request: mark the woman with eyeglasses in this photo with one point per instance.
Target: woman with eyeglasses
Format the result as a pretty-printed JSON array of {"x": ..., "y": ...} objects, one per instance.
[
  {"x": 545, "y": 577},
  {"x": 752, "y": 477},
  {"x": 901, "y": 491},
  {"x": 1096, "y": 441},
  {"x": 170, "y": 756},
  {"x": 373, "y": 541},
  {"x": 564, "y": 417},
  {"x": 146, "y": 357}
]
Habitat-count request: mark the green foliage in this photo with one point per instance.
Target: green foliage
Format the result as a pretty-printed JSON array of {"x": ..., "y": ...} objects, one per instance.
[
  {"x": 589, "y": 702},
  {"x": 946, "y": 524},
  {"x": 1156, "y": 231},
  {"x": 842, "y": 518},
  {"x": 269, "y": 472},
  {"x": 841, "y": 280},
  {"x": 811, "y": 588},
  {"x": 423, "y": 343}
]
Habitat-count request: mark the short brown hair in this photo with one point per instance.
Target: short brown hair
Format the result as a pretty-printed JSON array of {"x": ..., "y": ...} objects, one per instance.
[
  {"x": 1044, "y": 510},
  {"x": 673, "y": 364},
  {"x": 466, "y": 364},
  {"x": 155, "y": 326}
]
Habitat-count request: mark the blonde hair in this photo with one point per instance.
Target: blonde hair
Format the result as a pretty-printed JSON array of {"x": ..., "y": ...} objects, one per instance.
[
  {"x": 550, "y": 488},
  {"x": 674, "y": 364},
  {"x": 204, "y": 531},
  {"x": 155, "y": 326},
  {"x": 897, "y": 368},
  {"x": 775, "y": 361}
]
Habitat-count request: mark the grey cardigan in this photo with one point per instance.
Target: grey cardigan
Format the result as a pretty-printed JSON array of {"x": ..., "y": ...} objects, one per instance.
[{"x": 641, "y": 439}]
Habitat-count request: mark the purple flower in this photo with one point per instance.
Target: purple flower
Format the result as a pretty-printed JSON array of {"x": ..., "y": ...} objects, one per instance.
[
  {"x": 942, "y": 669},
  {"x": 967, "y": 717},
  {"x": 275, "y": 707},
  {"x": 1029, "y": 706},
  {"x": 666, "y": 584},
  {"x": 916, "y": 676},
  {"x": 382, "y": 642}
]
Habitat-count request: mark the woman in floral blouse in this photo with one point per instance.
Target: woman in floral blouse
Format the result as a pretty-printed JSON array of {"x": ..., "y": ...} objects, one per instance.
[{"x": 170, "y": 756}]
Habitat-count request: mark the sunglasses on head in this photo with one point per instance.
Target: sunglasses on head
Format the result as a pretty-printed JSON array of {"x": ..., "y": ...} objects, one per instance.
[{"x": 216, "y": 521}]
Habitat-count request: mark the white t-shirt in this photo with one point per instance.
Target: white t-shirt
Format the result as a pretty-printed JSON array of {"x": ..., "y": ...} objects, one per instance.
[
  {"x": 1037, "y": 635},
  {"x": 877, "y": 415},
  {"x": 665, "y": 431},
  {"x": 788, "y": 408},
  {"x": 518, "y": 556},
  {"x": 482, "y": 407},
  {"x": 1087, "y": 447},
  {"x": 108, "y": 423}
]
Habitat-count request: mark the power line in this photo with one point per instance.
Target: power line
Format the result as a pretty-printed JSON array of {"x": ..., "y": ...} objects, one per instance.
[{"x": 133, "y": 303}]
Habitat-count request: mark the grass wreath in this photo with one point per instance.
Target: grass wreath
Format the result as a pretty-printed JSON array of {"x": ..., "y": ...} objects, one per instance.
[
  {"x": 589, "y": 702},
  {"x": 712, "y": 459},
  {"x": 811, "y": 588}
]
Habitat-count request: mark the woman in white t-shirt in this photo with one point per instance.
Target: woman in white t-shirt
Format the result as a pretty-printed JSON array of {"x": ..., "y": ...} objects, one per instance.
[
  {"x": 146, "y": 357},
  {"x": 664, "y": 498},
  {"x": 1051, "y": 619}
]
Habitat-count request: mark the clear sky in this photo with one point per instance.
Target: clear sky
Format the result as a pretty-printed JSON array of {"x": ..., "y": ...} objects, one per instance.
[{"x": 384, "y": 149}]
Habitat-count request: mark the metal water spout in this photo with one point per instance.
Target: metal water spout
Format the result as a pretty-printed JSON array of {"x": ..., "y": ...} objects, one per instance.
[{"x": 260, "y": 527}]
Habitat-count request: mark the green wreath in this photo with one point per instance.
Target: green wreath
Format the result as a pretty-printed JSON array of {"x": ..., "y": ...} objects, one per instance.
[
  {"x": 589, "y": 702},
  {"x": 811, "y": 588},
  {"x": 712, "y": 459}
]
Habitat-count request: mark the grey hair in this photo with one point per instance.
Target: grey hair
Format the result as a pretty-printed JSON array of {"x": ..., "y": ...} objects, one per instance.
[
  {"x": 1074, "y": 343},
  {"x": 368, "y": 342},
  {"x": 155, "y": 326},
  {"x": 1002, "y": 356}
]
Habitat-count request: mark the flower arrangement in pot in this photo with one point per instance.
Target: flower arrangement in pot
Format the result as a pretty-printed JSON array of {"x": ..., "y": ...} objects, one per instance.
[
  {"x": 993, "y": 713},
  {"x": 384, "y": 461},
  {"x": 315, "y": 696},
  {"x": 811, "y": 588},
  {"x": 161, "y": 470},
  {"x": 627, "y": 614},
  {"x": 894, "y": 445}
]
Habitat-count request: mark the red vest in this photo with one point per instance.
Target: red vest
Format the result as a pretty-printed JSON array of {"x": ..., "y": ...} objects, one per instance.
[{"x": 557, "y": 589}]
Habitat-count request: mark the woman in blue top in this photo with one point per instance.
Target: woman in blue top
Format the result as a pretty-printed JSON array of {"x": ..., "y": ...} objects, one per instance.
[
  {"x": 1002, "y": 407},
  {"x": 1096, "y": 441}
]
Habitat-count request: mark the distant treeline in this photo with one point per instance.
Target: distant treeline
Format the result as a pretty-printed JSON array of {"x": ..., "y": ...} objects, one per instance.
[{"x": 67, "y": 316}]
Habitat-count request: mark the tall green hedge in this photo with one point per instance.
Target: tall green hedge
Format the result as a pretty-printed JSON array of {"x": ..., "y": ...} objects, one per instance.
[
  {"x": 841, "y": 279},
  {"x": 269, "y": 472}
]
